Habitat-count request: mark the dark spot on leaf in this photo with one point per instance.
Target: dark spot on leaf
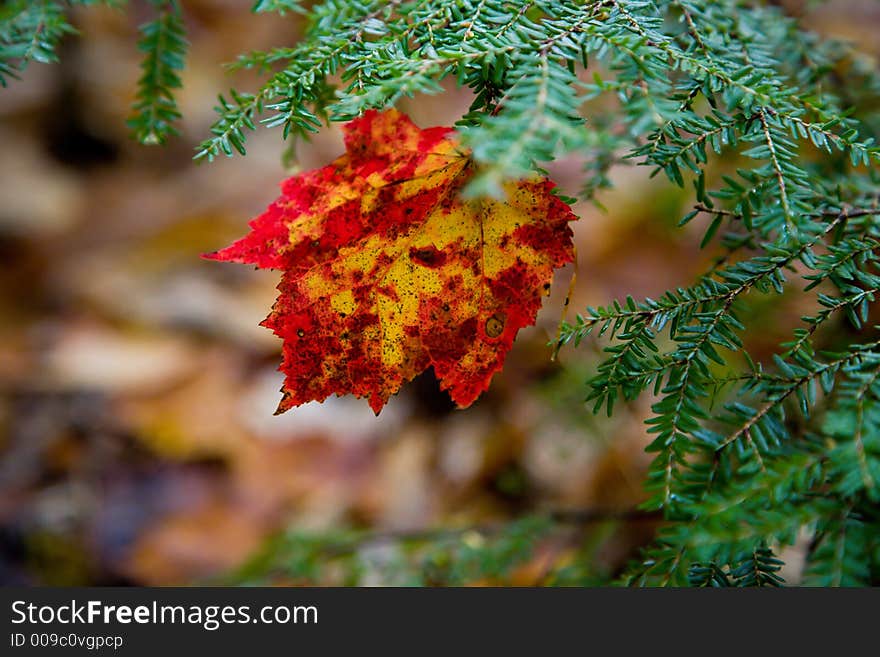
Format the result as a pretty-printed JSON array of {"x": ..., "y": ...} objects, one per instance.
[
  {"x": 428, "y": 256},
  {"x": 494, "y": 326}
]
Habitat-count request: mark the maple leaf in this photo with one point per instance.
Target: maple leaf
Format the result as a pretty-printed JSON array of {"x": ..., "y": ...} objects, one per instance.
[{"x": 389, "y": 271}]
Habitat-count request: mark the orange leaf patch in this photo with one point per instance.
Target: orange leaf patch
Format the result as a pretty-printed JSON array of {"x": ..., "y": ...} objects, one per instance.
[{"x": 388, "y": 271}]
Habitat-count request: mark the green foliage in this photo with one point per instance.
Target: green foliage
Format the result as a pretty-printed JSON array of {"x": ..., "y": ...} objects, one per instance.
[
  {"x": 163, "y": 43},
  {"x": 29, "y": 31},
  {"x": 758, "y": 567},
  {"x": 280, "y": 6},
  {"x": 763, "y": 120},
  {"x": 423, "y": 558}
]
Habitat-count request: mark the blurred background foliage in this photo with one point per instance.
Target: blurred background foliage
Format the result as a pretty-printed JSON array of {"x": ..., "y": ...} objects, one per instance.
[{"x": 137, "y": 441}]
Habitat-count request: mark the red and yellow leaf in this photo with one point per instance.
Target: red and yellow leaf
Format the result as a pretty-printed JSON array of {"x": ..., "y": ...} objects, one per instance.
[{"x": 389, "y": 271}]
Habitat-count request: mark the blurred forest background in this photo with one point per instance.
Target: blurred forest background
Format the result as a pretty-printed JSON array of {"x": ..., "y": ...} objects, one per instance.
[{"x": 137, "y": 441}]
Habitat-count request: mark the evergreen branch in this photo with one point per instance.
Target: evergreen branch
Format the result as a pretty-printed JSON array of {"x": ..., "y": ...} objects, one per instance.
[
  {"x": 469, "y": 31},
  {"x": 164, "y": 45},
  {"x": 310, "y": 62},
  {"x": 777, "y": 169},
  {"x": 853, "y": 424},
  {"x": 30, "y": 31},
  {"x": 278, "y": 6},
  {"x": 781, "y": 395},
  {"x": 685, "y": 60},
  {"x": 658, "y": 314},
  {"x": 840, "y": 554},
  {"x": 831, "y": 307},
  {"x": 759, "y": 567},
  {"x": 858, "y": 437}
]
